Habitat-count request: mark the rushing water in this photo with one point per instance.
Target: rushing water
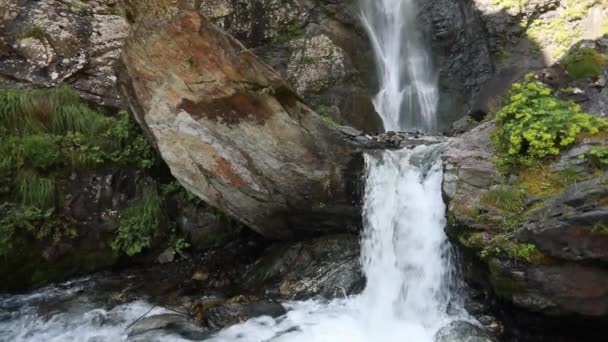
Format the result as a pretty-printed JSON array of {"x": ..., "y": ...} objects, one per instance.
[
  {"x": 405, "y": 254},
  {"x": 408, "y": 94}
]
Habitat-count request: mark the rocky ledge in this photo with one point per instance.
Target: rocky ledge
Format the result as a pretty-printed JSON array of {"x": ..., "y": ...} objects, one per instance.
[{"x": 539, "y": 233}]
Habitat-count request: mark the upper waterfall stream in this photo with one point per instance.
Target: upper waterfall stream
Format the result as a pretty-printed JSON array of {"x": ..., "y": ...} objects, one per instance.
[{"x": 405, "y": 255}]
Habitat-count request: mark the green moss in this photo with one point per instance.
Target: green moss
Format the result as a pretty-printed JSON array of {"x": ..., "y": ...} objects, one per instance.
[
  {"x": 36, "y": 32},
  {"x": 585, "y": 63},
  {"x": 533, "y": 124},
  {"x": 323, "y": 110},
  {"x": 504, "y": 245},
  {"x": 503, "y": 283},
  {"x": 139, "y": 224},
  {"x": 287, "y": 35}
]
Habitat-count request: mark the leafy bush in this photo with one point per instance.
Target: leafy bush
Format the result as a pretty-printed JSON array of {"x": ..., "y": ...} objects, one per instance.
[
  {"x": 598, "y": 157},
  {"x": 533, "y": 124},
  {"x": 138, "y": 224},
  {"x": 585, "y": 63},
  {"x": 23, "y": 219},
  {"x": 43, "y": 132}
]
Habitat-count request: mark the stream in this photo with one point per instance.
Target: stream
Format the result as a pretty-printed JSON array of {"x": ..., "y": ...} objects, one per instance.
[{"x": 405, "y": 256}]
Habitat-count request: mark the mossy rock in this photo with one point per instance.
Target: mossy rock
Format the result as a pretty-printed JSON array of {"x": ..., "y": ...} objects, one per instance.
[{"x": 585, "y": 63}]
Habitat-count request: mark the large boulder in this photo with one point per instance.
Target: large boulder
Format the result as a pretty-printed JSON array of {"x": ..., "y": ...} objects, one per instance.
[
  {"x": 315, "y": 45},
  {"x": 234, "y": 133}
]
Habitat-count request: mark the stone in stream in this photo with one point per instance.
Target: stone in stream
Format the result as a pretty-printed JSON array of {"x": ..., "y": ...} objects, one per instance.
[
  {"x": 328, "y": 266},
  {"x": 170, "y": 323},
  {"x": 461, "y": 331},
  {"x": 217, "y": 313}
]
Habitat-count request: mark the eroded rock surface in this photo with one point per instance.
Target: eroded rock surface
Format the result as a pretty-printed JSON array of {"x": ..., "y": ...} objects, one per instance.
[
  {"x": 47, "y": 43},
  {"x": 234, "y": 133}
]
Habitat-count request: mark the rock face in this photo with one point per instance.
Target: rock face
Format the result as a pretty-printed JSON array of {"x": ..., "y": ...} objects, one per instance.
[
  {"x": 548, "y": 256},
  {"x": 315, "y": 45},
  {"x": 461, "y": 53},
  {"x": 318, "y": 46},
  {"x": 47, "y": 43},
  {"x": 567, "y": 276},
  {"x": 234, "y": 134}
]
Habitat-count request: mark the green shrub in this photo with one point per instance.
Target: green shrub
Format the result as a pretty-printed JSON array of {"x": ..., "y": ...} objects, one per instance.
[
  {"x": 39, "y": 151},
  {"x": 28, "y": 221},
  {"x": 533, "y": 124},
  {"x": 585, "y": 63},
  {"x": 598, "y": 157},
  {"x": 138, "y": 224}
]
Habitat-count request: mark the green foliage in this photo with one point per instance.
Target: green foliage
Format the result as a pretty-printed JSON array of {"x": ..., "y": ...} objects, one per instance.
[
  {"x": 45, "y": 132},
  {"x": 179, "y": 245},
  {"x": 54, "y": 111},
  {"x": 585, "y": 63},
  {"x": 533, "y": 125},
  {"x": 24, "y": 220},
  {"x": 138, "y": 224},
  {"x": 35, "y": 190},
  {"x": 509, "y": 199},
  {"x": 504, "y": 244},
  {"x": 598, "y": 157}
]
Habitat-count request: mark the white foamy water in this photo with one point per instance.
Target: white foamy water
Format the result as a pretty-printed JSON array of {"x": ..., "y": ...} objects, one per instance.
[
  {"x": 404, "y": 257},
  {"x": 408, "y": 94},
  {"x": 62, "y": 314}
]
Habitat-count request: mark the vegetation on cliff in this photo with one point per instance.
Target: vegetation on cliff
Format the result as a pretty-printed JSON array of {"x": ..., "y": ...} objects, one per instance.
[
  {"x": 585, "y": 63},
  {"x": 45, "y": 137},
  {"x": 533, "y": 124}
]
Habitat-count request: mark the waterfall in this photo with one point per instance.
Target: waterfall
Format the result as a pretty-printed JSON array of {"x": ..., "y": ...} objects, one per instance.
[
  {"x": 405, "y": 258},
  {"x": 408, "y": 94},
  {"x": 405, "y": 254}
]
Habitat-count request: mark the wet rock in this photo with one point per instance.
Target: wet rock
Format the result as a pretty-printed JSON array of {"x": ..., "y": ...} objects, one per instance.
[
  {"x": 171, "y": 323},
  {"x": 229, "y": 314},
  {"x": 460, "y": 49},
  {"x": 327, "y": 266},
  {"x": 234, "y": 134},
  {"x": 167, "y": 256},
  {"x": 461, "y": 331}
]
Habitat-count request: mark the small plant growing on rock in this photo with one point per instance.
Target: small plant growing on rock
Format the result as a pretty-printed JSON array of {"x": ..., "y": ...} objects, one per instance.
[
  {"x": 138, "y": 224},
  {"x": 533, "y": 125},
  {"x": 598, "y": 157}
]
